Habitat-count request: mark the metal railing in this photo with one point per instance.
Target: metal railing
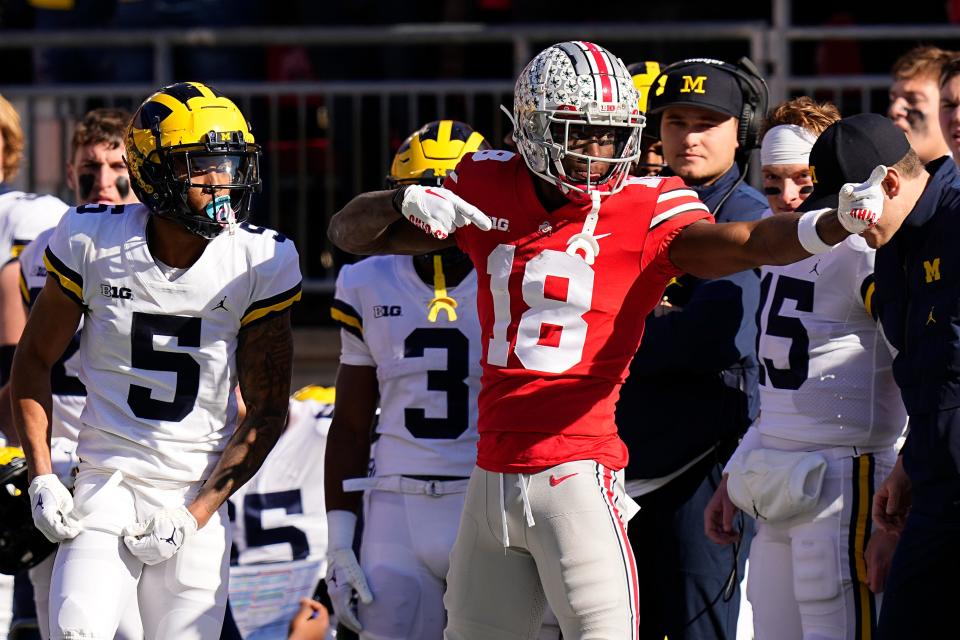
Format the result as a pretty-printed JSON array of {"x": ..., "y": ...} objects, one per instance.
[{"x": 326, "y": 141}]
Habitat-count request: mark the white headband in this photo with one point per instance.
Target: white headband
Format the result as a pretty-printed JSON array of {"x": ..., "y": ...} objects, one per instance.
[{"x": 787, "y": 144}]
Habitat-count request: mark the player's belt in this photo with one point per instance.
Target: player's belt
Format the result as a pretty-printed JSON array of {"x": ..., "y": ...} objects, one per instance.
[
  {"x": 837, "y": 453},
  {"x": 412, "y": 485}
]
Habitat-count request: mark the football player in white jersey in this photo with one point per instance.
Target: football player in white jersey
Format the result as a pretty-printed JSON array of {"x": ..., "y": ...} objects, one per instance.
[
  {"x": 22, "y": 217},
  {"x": 180, "y": 301},
  {"x": 410, "y": 337},
  {"x": 830, "y": 417},
  {"x": 98, "y": 176},
  {"x": 279, "y": 518}
]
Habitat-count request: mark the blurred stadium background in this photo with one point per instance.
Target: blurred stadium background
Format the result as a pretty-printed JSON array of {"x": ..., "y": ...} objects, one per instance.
[{"x": 331, "y": 89}]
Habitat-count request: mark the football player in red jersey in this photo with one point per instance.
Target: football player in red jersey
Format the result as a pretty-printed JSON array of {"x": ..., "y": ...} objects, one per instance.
[{"x": 571, "y": 258}]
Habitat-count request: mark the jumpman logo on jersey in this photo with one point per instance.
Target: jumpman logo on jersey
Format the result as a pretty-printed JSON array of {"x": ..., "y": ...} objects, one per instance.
[
  {"x": 930, "y": 318},
  {"x": 172, "y": 539},
  {"x": 816, "y": 266},
  {"x": 40, "y": 502},
  {"x": 220, "y": 305}
]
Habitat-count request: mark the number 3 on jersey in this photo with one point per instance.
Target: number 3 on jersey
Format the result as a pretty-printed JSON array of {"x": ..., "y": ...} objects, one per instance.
[{"x": 551, "y": 333}]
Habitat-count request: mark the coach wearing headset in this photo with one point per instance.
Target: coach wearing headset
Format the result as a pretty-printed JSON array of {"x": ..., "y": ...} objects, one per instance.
[{"x": 692, "y": 388}]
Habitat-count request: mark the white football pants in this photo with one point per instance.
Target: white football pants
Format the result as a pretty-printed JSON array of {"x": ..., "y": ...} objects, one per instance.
[
  {"x": 807, "y": 573},
  {"x": 95, "y": 577}
]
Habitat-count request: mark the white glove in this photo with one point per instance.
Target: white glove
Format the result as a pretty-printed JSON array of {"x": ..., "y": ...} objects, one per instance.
[
  {"x": 345, "y": 580},
  {"x": 861, "y": 205},
  {"x": 160, "y": 537},
  {"x": 439, "y": 212},
  {"x": 51, "y": 503}
]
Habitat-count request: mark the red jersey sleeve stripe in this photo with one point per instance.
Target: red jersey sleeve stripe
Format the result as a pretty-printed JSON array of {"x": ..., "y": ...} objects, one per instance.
[
  {"x": 677, "y": 193},
  {"x": 660, "y": 218}
]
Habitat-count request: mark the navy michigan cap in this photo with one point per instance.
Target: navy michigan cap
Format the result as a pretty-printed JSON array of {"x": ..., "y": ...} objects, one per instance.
[
  {"x": 698, "y": 82},
  {"x": 848, "y": 151}
]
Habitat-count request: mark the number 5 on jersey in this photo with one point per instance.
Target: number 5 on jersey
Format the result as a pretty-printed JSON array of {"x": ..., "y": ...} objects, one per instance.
[{"x": 551, "y": 333}]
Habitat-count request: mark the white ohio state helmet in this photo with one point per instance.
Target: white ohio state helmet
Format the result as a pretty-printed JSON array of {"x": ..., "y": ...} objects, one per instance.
[{"x": 576, "y": 84}]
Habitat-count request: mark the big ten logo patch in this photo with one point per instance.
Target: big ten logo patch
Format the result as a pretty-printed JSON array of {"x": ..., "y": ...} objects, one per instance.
[
  {"x": 387, "y": 311},
  {"x": 693, "y": 84},
  {"x": 118, "y": 293},
  {"x": 500, "y": 224}
]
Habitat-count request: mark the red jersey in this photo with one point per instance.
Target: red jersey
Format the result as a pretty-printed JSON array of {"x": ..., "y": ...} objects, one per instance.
[{"x": 558, "y": 333}]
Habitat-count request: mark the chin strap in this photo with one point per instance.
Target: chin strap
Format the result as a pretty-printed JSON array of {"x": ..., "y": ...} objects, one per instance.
[
  {"x": 232, "y": 222},
  {"x": 585, "y": 241},
  {"x": 441, "y": 301}
]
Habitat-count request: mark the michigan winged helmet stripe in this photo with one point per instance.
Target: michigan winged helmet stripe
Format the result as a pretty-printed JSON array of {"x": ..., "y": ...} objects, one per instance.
[
  {"x": 347, "y": 317},
  {"x": 68, "y": 279},
  {"x": 269, "y": 307}
]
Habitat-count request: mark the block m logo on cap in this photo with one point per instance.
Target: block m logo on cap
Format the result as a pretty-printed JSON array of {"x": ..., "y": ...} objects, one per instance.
[{"x": 693, "y": 84}]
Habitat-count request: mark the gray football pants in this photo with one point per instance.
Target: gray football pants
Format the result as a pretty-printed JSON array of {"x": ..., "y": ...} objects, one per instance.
[{"x": 557, "y": 537}]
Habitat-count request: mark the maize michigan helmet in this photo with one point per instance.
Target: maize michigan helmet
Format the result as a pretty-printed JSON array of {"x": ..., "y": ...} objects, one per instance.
[
  {"x": 433, "y": 150},
  {"x": 190, "y": 135}
]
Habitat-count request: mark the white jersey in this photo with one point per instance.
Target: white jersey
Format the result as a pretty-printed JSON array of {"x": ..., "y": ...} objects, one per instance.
[
  {"x": 23, "y": 216},
  {"x": 280, "y": 514},
  {"x": 158, "y": 357},
  {"x": 429, "y": 372},
  {"x": 825, "y": 368},
  {"x": 69, "y": 394}
]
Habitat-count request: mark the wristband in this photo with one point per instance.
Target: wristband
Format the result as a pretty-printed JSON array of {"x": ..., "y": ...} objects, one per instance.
[
  {"x": 341, "y": 526},
  {"x": 807, "y": 232},
  {"x": 397, "y": 200}
]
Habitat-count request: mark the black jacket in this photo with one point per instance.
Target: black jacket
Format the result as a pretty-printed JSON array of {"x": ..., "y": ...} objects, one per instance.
[
  {"x": 918, "y": 296},
  {"x": 693, "y": 382}
]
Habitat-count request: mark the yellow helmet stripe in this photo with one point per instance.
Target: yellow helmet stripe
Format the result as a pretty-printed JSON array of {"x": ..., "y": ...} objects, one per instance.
[
  {"x": 204, "y": 89},
  {"x": 444, "y": 130},
  {"x": 168, "y": 101},
  {"x": 473, "y": 142}
]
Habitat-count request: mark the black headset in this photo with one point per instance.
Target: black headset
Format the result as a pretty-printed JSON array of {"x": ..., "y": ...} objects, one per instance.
[{"x": 753, "y": 89}]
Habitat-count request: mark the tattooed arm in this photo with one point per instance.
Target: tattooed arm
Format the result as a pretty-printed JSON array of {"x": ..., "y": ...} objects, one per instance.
[{"x": 264, "y": 363}]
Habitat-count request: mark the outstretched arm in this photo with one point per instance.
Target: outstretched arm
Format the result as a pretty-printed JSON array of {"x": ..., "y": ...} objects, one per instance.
[
  {"x": 716, "y": 250},
  {"x": 409, "y": 220},
  {"x": 712, "y": 251},
  {"x": 264, "y": 364},
  {"x": 369, "y": 225}
]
